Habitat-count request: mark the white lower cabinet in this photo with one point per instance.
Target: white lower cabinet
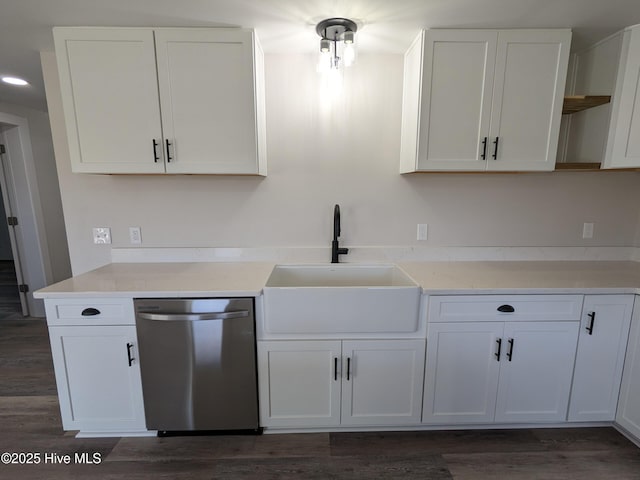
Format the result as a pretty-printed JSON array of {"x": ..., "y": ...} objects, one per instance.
[
  {"x": 461, "y": 376},
  {"x": 383, "y": 382},
  {"x": 535, "y": 371},
  {"x": 299, "y": 383},
  {"x": 485, "y": 372},
  {"x": 628, "y": 414},
  {"x": 320, "y": 383},
  {"x": 489, "y": 359},
  {"x": 98, "y": 378},
  {"x": 602, "y": 344}
]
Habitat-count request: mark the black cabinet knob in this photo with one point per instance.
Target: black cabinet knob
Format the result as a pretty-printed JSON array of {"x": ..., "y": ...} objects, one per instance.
[{"x": 90, "y": 312}]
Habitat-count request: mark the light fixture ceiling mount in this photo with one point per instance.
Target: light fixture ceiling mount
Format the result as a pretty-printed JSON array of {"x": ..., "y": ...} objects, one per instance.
[
  {"x": 15, "y": 81},
  {"x": 336, "y": 28},
  {"x": 337, "y": 36}
]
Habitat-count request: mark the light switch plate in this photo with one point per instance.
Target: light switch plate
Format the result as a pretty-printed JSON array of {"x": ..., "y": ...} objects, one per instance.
[
  {"x": 135, "y": 236},
  {"x": 101, "y": 235},
  {"x": 587, "y": 230},
  {"x": 422, "y": 231}
]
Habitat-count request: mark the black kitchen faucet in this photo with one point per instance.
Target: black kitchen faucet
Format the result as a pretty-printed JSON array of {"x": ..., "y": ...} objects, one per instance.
[{"x": 335, "y": 248}]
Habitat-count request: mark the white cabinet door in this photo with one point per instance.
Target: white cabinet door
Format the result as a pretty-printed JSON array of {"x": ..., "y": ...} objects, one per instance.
[
  {"x": 299, "y": 383},
  {"x": 456, "y": 98},
  {"x": 462, "y": 370},
  {"x": 320, "y": 383},
  {"x": 98, "y": 378},
  {"x": 623, "y": 144},
  {"x": 628, "y": 415},
  {"x": 141, "y": 100},
  {"x": 601, "y": 349},
  {"x": 483, "y": 100},
  {"x": 206, "y": 81},
  {"x": 536, "y": 371},
  {"x": 382, "y": 382},
  {"x": 110, "y": 99},
  {"x": 528, "y": 92}
]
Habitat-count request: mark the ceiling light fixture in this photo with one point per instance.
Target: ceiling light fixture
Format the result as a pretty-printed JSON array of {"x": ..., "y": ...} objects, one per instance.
[
  {"x": 337, "y": 43},
  {"x": 15, "y": 81}
]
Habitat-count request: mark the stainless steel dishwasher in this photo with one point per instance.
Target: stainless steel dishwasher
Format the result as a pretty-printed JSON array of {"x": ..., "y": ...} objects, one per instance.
[{"x": 198, "y": 364}]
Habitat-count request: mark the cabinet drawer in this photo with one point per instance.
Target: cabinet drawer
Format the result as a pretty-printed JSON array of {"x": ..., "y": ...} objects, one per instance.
[
  {"x": 472, "y": 308},
  {"x": 102, "y": 311}
]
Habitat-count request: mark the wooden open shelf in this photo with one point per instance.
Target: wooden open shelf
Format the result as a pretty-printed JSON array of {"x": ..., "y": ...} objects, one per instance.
[
  {"x": 585, "y": 167},
  {"x": 577, "y": 103}
]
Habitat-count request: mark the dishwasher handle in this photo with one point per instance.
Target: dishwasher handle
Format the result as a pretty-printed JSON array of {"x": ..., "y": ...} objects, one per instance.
[{"x": 193, "y": 317}]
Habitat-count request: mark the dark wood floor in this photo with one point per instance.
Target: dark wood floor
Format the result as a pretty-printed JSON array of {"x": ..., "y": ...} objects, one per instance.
[
  {"x": 30, "y": 422},
  {"x": 9, "y": 295}
]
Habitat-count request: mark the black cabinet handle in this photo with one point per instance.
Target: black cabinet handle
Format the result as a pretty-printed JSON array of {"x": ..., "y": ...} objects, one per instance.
[
  {"x": 169, "y": 157},
  {"x": 90, "y": 312},
  {"x": 348, "y": 367},
  {"x": 495, "y": 150},
  {"x": 506, "y": 309},
  {"x": 592, "y": 317},
  {"x": 510, "y": 352},
  {"x": 484, "y": 149},
  {"x": 129, "y": 357},
  {"x": 497, "y": 354},
  {"x": 155, "y": 151},
  {"x": 335, "y": 368}
]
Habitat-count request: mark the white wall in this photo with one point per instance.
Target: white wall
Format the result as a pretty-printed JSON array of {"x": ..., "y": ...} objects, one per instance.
[
  {"x": 346, "y": 153},
  {"x": 48, "y": 189}
]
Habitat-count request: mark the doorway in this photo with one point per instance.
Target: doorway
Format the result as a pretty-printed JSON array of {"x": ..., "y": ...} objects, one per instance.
[
  {"x": 10, "y": 298},
  {"x": 11, "y": 275},
  {"x": 23, "y": 213}
]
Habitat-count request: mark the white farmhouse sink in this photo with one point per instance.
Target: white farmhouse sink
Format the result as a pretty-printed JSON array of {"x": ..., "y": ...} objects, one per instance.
[{"x": 338, "y": 299}]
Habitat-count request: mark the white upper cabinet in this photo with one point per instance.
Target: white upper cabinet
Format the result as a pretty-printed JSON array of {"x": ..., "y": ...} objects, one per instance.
[
  {"x": 623, "y": 144},
  {"x": 110, "y": 99},
  {"x": 478, "y": 100},
  {"x": 140, "y": 100},
  {"x": 610, "y": 133},
  {"x": 447, "y": 105}
]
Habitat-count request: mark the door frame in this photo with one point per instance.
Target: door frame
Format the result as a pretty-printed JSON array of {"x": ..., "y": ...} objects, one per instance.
[{"x": 23, "y": 201}]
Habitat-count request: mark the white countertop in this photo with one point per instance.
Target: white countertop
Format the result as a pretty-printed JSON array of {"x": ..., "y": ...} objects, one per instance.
[
  {"x": 525, "y": 277},
  {"x": 241, "y": 279},
  {"x": 236, "y": 279}
]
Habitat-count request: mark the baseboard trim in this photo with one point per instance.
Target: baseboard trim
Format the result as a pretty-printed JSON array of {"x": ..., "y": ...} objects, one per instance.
[
  {"x": 144, "y": 433},
  {"x": 417, "y": 428}
]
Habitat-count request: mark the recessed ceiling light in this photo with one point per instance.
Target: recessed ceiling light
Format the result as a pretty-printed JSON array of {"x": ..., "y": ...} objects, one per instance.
[{"x": 15, "y": 81}]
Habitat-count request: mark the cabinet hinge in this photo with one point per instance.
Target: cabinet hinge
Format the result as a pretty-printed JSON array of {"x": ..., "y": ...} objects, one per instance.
[
  {"x": 2, "y": 149},
  {"x": 12, "y": 221},
  {"x": 24, "y": 288}
]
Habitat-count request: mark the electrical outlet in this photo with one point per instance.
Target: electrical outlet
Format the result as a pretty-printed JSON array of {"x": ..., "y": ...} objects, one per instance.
[
  {"x": 422, "y": 231},
  {"x": 101, "y": 235},
  {"x": 135, "y": 236},
  {"x": 587, "y": 230}
]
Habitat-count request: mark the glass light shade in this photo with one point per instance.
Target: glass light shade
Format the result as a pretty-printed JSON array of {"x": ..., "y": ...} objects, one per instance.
[
  {"x": 324, "y": 62},
  {"x": 349, "y": 54},
  {"x": 325, "y": 45},
  {"x": 348, "y": 37}
]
